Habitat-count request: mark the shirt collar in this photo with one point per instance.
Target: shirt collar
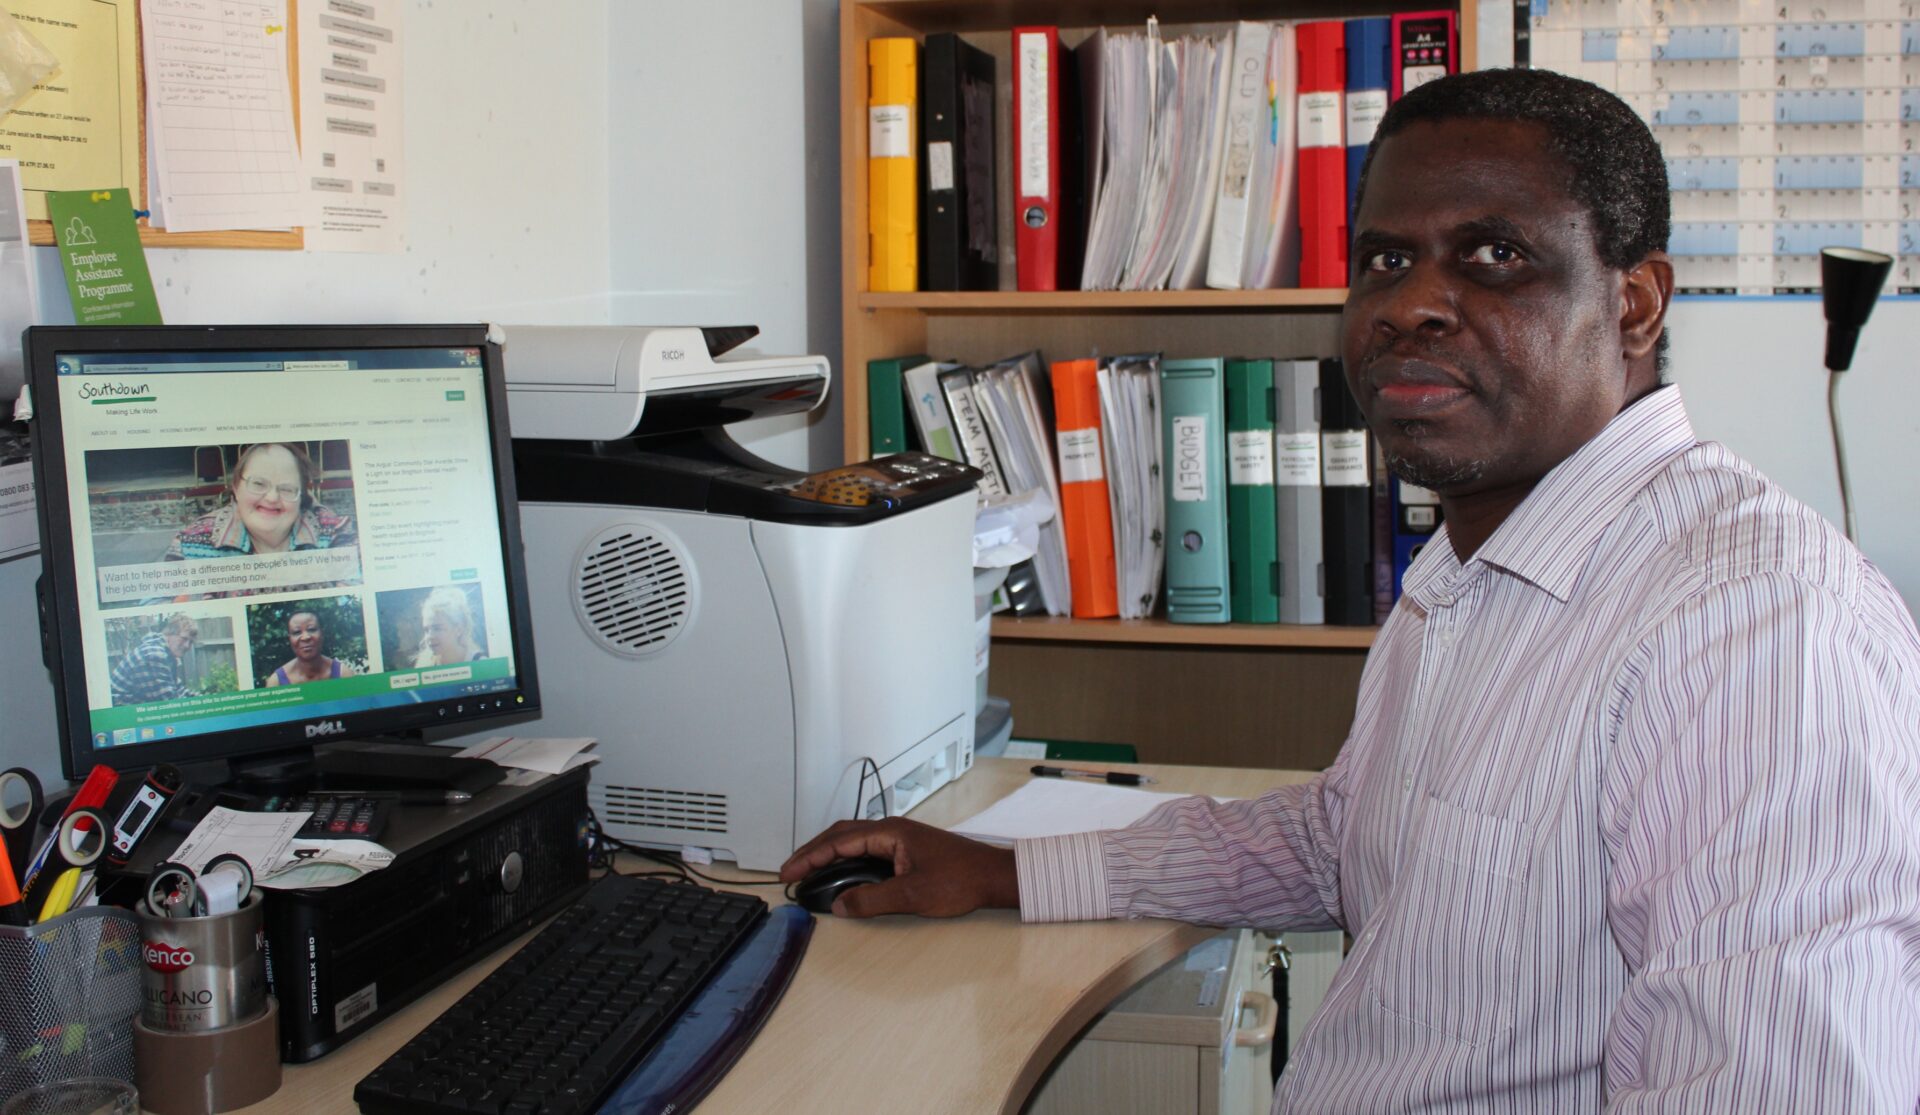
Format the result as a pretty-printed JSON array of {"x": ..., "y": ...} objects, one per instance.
[{"x": 1548, "y": 538}]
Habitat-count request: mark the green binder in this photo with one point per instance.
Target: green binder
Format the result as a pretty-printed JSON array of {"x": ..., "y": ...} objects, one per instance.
[
  {"x": 1253, "y": 537},
  {"x": 887, "y": 404},
  {"x": 1193, "y": 442}
]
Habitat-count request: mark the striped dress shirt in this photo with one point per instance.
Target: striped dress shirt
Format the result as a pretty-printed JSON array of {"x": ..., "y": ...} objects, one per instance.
[{"x": 1629, "y": 817}]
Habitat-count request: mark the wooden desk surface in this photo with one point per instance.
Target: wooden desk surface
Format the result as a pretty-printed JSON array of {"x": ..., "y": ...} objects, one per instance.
[{"x": 896, "y": 1013}]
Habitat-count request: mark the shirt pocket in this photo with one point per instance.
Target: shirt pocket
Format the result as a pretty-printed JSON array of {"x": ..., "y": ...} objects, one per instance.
[{"x": 1450, "y": 953}]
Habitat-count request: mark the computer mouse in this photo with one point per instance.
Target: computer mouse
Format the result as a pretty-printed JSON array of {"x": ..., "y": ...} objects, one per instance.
[{"x": 817, "y": 891}]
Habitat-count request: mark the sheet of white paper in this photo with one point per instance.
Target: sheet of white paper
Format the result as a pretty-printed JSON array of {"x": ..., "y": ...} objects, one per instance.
[
  {"x": 262, "y": 839},
  {"x": 19, "y": 528},
  {"x": 326, "y": 863},
  {"x": 350, "y": 114},
  {"x": 19, "y": 306},
  {"x": 548, "y": 756},
  {"x": 223, "y": 106},
  {"x": 1057, "y": 806}
]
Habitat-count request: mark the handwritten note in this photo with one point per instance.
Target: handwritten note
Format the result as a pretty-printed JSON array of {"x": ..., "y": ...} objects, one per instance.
[{"x": 220, "y": 99}]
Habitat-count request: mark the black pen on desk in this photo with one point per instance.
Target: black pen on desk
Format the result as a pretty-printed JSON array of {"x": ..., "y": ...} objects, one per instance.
[
  {"x": 1111, "y": 777},
  {"x": 435, "y": 797}
]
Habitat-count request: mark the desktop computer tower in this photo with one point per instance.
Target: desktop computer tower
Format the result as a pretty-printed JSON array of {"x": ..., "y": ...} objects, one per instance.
[{"x": 464, "y": 881}]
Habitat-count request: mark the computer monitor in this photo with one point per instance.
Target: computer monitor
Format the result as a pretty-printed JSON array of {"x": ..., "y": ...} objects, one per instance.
[{"x": 259, "y": 538}]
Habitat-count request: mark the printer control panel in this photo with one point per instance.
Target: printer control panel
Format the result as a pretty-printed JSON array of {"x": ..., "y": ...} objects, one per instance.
[{"x": 891, "y": 481}]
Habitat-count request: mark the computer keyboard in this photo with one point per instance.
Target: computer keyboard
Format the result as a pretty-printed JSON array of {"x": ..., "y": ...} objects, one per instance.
[{"x": 555, "y": 1029}]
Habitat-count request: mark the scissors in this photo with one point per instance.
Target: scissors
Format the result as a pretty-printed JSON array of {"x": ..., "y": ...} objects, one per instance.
[
  {"x": 172, "y": 890},
  {"x": 17, "y": 821},
  {"x": 79, "y": 842}
]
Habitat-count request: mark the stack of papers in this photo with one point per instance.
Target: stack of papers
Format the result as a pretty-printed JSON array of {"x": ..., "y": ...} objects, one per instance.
[
  {"x": 280, "y": 860},
  {"x": 1130, "y": 431},
  {"x": 1161, "y": 126},
  {"x": 530, "y": 759},
  {"x": 1014, "y": 397}
]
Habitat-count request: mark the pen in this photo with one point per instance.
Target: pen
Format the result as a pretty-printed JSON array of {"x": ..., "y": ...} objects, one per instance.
[
  {"x": 1111, "y": 777},
  {"x": 435, "y": 797}
]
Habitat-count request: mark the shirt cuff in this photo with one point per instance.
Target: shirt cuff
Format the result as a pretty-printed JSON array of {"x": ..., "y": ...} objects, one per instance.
[{"x": 1062, "y": 878}]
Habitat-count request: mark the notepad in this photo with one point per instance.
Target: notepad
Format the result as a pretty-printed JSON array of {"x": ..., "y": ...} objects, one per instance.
[{"x": 1055, "y": 807}]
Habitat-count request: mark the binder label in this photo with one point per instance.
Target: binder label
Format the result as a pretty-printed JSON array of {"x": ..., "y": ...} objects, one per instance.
[
  {"x": 1249, "y": 457},
  {"x": 890, "y": 131},
  {"x": 940, "y": 165},
  {"x": 1320, "y": 119},
  {"x": 1080, "y": 455},
  {"x": 1365, "y": 107},
  {"x": 1034, "y": 80},
  {"x": 1346, "y": 458},
  {"x": 1299, "y": 459},
  {"x": 1189, "y": 458}
]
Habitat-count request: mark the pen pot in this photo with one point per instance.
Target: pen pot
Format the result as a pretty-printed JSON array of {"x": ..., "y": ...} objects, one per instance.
[
  {"x": 208, "y": 1037},
  {"x": 72, "y": 989},
  {"x": 203, "y": 973}
]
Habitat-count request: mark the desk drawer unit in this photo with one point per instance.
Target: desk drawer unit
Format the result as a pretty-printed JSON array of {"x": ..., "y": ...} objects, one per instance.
[{"x": 1159, "y": 1050}]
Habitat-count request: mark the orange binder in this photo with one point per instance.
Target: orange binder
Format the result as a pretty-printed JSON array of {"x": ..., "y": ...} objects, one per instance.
[
  {"x": 1086, "y": 516},
  {"x": 893, "y": 196}
]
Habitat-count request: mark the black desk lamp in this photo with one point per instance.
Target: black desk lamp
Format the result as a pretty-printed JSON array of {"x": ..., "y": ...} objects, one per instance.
[{"x": 1850, "y": 282}]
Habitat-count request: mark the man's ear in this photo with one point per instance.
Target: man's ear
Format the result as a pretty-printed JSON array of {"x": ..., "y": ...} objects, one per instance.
[{"x": 1645, "y": 296}]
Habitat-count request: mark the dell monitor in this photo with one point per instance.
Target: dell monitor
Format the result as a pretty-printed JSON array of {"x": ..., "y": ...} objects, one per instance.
[{"x": 259, "y": 538}]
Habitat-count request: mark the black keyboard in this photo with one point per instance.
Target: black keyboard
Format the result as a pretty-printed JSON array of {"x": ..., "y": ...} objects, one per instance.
[{"x": 555, "y": 1029}]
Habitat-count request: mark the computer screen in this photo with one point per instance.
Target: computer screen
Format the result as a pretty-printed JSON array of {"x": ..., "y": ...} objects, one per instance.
[{"x": 259, "y": 538}]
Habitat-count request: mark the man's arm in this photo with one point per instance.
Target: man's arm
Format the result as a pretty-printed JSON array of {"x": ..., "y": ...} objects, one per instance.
[
  {"x": 1759, "y": 810},
  {"x": 1271, "y": 860}
]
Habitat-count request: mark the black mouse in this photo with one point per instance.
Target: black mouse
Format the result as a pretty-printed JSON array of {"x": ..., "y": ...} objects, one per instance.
[{"x": 817, "y": 891}]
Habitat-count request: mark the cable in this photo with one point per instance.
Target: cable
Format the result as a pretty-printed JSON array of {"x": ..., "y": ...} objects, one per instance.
[
  {"x": 1840, "y": 455},
  {"x": 860, "y": 791}
]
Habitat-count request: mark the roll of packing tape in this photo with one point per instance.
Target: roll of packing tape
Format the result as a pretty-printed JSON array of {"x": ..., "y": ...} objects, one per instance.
[{"x": 207, "y": 1071}]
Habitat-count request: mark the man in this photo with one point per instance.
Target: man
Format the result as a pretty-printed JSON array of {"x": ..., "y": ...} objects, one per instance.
[
  {"x": 151, "y": 670},
  {"x": 1629, "y": 815}
]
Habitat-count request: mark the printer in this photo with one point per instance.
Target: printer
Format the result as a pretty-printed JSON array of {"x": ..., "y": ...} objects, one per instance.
[{"x": 760, "y": 652}]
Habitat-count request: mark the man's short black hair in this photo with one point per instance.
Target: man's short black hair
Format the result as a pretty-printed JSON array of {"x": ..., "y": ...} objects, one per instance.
[
  {"x": 1615, "y": 169},
  {"x": 1614, "y": 165}
]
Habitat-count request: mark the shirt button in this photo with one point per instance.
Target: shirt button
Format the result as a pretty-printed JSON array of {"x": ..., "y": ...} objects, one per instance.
[{"x": 1407, "y": 783}]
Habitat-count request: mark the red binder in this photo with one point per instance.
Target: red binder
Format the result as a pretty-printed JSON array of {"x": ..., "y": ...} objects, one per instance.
[
  {"x": 1038, "y": 213},
  {"x": 1426, "y": 45},
  {"x": 1085, "y": 513},
  {"x": 1322, "y": 141}
]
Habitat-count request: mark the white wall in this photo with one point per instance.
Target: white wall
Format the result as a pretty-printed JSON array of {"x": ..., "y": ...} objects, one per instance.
[
  {"x": 507, "y": 182},
  {"x": 1752, "y": 375},
  {"x": 723, "y": 151}
]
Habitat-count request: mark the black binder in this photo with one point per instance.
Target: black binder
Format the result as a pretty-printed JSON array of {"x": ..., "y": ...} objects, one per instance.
[
  {"x": 958, "y": 248},
  {"x": 1346, "y": 500}
]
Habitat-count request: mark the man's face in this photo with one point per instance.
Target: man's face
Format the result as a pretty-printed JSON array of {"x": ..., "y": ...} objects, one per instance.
[
  {"x": 1482, "y": 332},
  {"x": 179, "y": 642}
]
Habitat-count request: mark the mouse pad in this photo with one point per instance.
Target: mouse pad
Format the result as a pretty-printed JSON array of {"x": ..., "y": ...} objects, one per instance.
[{"x": 720, "y": 1023}]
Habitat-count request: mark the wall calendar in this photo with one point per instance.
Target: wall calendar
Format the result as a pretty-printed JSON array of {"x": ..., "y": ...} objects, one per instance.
[{"x": 1788, "y": 126}]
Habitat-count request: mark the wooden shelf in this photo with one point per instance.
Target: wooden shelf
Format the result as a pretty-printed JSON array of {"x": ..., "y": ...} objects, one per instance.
[
  {"x": 1159, "y": 632},
  {"x": 1130, "y": 301}
]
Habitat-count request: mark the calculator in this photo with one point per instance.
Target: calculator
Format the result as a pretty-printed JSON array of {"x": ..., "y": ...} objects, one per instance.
[{"x": 338, "y": 815}]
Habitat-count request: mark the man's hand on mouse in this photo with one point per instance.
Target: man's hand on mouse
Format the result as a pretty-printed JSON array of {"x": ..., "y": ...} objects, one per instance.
[{"x": 935, "y": 873}]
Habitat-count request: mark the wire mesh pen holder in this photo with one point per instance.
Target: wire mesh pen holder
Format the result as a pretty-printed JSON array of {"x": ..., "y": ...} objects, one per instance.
[{"x": 69, "y": 991}]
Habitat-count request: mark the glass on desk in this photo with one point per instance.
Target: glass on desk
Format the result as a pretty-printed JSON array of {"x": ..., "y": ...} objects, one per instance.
[{"x": 81, "y": 1095}]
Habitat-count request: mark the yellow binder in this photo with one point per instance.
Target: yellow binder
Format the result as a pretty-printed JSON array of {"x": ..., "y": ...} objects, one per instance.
[{"x": 893, "y": 201}]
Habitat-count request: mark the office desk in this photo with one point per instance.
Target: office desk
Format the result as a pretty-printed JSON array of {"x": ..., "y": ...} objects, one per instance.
[{"x": 895, "y": 1014}]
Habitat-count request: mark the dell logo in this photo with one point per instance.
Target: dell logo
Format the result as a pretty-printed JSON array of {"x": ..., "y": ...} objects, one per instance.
[{"x": 325, "y": 728}]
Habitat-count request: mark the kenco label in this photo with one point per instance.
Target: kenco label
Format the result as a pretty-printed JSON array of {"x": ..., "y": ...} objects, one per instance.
[{"x": 162, "y": 957}]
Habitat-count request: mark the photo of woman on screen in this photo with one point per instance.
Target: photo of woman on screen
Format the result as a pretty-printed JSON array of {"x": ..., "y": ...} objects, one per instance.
[
  {"x": 310, "y": 661},
  {"x": 269, "y": 507},
  {"x": 446, "y": 629}
]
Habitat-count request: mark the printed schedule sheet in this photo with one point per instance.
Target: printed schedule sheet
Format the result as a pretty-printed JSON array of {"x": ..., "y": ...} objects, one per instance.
[{"x": 1788, "y": 126}]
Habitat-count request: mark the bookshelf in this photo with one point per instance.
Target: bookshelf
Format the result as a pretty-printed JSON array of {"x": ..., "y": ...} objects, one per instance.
[{"x": 1247, "y": 695}]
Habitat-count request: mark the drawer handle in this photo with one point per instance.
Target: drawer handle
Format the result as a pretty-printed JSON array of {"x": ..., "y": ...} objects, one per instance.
[{"x": 1266, "y": 1020}]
